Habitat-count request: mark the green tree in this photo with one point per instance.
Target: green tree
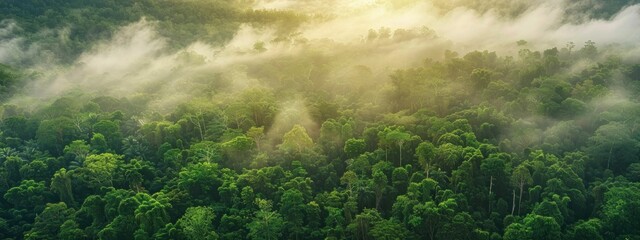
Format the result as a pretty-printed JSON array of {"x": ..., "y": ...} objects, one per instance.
[
  {"x": 54, "y": 134},
  {"x": 543, "y": 228},
  {"x": 426, "y": 153},
  {"x": 152, "y": 213},
  {"x": 61, "y": 184},
  {"x": 102, "y": 168},
  {"x": 494, "y": 169},
  {"x": 334, "y": 223},
  {"x": 197, "y": 223},
  {"x": 429, "y": 218},
  {"x": 260, "y": 105},
  {"x": 111, "y": 131},
  {"x": 549, "y": 209},
  {"x": 99, "y": 143},
  {"x": 205, "y": 151},
  {"x": 448, "y": 156},
  {"x": 396, "y": 137},
  {"x": 380, "y": 185},
  {"x": 292, "y": 209},
  {"x": 201, "y": 181},
  {"x": 621, "y": 208},
  {"x": 79, "y": 149},
  {"x": 238, "y": 150},
  {"x": 614, "y": 145},
  {"x": 481, "y": 77},
  {"x": 586, "y": 230},
  {"x": 354, "y": 147},
  {"x": 12, "y": 166},
  {"x": 48, "y": 223},
  {"x": 257, "y": 134},
  {"x": 70, "y": 230},
  {"x": 37, "y": 169},
  {"x": 18, "y": 127},
  {"x": 296, "y": 141},
  {"x": 389, "y": 230},
  {"x": 233, "y": 227},
  {"x": 266, "y": 224},
  {"x": 363, "y": 223},
  {"x": 400, "y": 180},
  {"x": 519, "y": 178},
  {"x": 135, "y": 147},
  {"x": 517, "y": 231},
  {"x": 460, "y": 228},
  {"x": 28, "y": 195}
]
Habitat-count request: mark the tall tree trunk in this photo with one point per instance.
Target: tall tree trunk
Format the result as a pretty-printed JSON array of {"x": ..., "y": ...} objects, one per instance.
[
  {"x": 204, "y": 124},
  {"x": 490, "y": 188},
  {"x": 513, "y": 203},
  {"x": 490, "y": 184},
  {"x": 386, "y": 154},
  {"x": 428, "y": 169},
  {"x": 198, "y": 124},
  {"x": 400, "y": 154},
  {"x": 520, "y": 199}
]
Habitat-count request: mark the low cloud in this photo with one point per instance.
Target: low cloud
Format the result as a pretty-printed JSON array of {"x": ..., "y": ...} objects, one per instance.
[{"x": 376, "y": 36}]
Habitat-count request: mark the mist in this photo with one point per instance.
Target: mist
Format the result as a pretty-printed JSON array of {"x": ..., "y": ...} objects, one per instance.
[
  {"x": 377, "y": 36},
  {"x": 320, "y": 119}
]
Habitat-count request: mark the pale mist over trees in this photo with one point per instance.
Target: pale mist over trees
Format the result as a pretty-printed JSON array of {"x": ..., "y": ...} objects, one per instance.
[{"x": 284, "y": 119}]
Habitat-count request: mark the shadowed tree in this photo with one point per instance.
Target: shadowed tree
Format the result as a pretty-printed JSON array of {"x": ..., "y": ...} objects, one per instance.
[
  {"x": 54, "y": 134},
  {"x": 380, "y": 185},
  {"x": 49, "y": 222},
  {"x": 614, "y": 145}
]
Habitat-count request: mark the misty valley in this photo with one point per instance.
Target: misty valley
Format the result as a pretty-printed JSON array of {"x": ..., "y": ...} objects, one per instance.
[{"x": 320, "y": 119}]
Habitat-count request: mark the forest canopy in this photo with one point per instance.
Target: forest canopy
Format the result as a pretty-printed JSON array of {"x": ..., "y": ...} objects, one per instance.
[{"x": 283, "y": 119}]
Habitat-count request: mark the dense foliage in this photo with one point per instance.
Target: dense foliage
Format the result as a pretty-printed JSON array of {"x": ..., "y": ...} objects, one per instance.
[
  {"x": 473, "y": 146},
  {"x": 81, "y": 23}
]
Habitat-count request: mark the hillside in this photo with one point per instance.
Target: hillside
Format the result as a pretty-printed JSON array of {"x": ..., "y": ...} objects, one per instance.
[{"x": 279, "y": 119}]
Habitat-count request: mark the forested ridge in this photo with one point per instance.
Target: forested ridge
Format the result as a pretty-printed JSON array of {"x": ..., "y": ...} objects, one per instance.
[{"x": 319, "y": 142}]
